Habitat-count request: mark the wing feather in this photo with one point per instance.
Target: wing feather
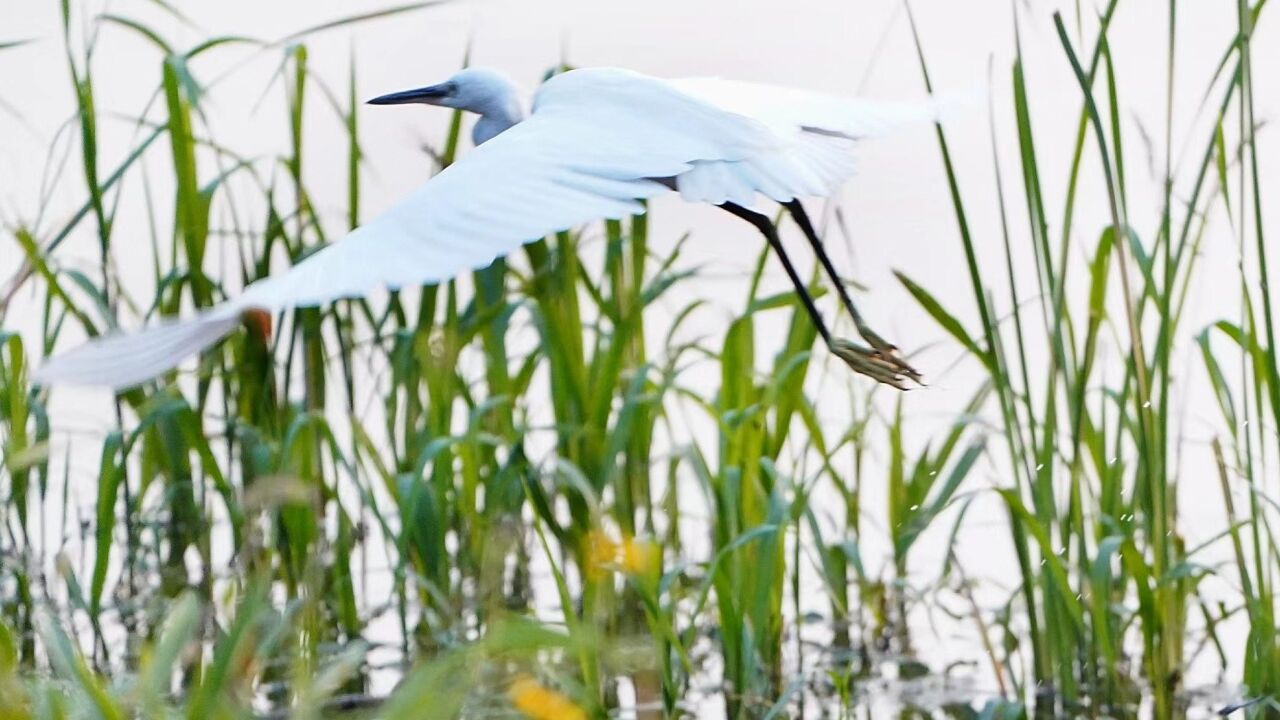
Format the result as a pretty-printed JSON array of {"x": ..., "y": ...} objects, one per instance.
[
  {"x": 591, "y": 150},
  {"x": 598, "y": 143},
  {"x": 123, "y": 360},
  {"x": 815, "y": 137}
]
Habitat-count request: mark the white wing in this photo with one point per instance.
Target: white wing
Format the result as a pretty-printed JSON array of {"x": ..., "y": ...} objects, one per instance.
[
  {"x": 596, "y": 145},
  {"x": 815, "y": 138},
  {"x": 591, "y": 149},
  {"x": 123, "y": 360}
]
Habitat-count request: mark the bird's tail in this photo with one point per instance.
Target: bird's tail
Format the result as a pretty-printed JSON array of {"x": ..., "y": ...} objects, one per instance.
[{"x": 124, "y": 360}]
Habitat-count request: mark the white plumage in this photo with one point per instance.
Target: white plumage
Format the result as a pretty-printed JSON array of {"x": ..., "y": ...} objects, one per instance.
[{"x": 597, "y": 143}]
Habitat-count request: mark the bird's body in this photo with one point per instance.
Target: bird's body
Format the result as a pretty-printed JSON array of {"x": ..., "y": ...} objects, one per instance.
[{"x": 597, "y": 143}]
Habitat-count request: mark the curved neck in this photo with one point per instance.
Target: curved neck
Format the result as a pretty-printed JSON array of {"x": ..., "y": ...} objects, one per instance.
[{"x": 495, "y": 118}]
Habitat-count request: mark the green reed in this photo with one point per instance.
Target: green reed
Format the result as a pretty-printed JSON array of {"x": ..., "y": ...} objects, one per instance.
[
  {"x": 1094, "y": 511},
  {"x": 530, "y": 436}
]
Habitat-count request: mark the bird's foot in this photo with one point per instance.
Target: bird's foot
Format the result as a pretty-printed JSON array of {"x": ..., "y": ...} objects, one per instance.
[
  {"x": 882, "y": 362},
  {"x": 888, "y": 351}
]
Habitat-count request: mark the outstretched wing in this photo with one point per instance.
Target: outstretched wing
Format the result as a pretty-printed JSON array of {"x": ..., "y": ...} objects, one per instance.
[
  {"x": 591, "y": 149},
  {"x": 815, "y": 137},
  {"x": 126, "y": 359}
]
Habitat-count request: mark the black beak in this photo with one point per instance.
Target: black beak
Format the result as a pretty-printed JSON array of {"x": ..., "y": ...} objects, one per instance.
[{"x": 420, "y": 95}]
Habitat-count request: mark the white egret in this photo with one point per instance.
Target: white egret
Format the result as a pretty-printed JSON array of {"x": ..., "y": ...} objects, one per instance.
[{"x": 597, "y": 143}]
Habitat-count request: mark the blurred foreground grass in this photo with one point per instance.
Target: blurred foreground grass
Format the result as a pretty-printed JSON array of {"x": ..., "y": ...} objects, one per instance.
[{"x": 512, "y": 442}]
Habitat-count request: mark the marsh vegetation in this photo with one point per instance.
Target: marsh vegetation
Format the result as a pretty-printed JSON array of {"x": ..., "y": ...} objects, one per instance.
[{"x": 506, "y": 494}]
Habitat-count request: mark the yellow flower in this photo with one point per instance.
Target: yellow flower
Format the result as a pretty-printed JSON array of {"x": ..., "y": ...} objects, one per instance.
[
  {"x": 542, "y": 703},
  {"x": 633, "y": 556},
  {"x": 639, "y": 557},
  {"x": 602, "y": 553}
]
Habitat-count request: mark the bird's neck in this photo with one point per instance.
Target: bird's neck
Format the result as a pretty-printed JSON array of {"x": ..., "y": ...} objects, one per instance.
[{"x": 496, "y": 118}]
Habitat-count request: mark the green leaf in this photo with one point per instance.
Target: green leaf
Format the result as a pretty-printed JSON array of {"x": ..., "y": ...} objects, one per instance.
[{"x": 944, "y": 318}]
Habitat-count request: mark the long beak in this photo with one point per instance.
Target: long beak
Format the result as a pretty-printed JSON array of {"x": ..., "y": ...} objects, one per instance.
[{"x": 427, "y": 95}]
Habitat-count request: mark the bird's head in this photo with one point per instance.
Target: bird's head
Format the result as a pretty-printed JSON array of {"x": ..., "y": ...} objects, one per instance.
[{"x": 477, "y": 90}]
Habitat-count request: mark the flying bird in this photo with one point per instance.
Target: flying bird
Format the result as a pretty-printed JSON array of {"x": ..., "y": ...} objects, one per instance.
[{"x": 596, "y": 144}]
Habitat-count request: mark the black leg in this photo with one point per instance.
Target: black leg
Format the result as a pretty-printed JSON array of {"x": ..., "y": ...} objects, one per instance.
[
  {"x": 802, "y": 219},
  {"x": 766, "y": 228},
  {"x": 885, "y": 350}
]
